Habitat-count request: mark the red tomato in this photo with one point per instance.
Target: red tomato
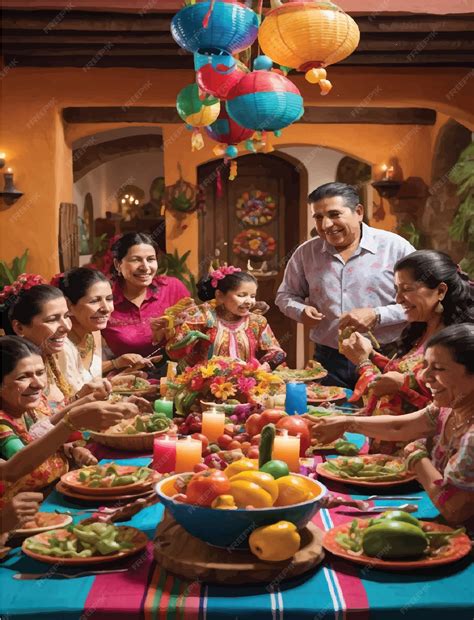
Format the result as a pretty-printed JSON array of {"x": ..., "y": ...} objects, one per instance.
[
  {"x": 203, "y": 438},
  {"x": 252, "y": 453},
  {"x": 255, "y": 441},
  {"x": 245, "y": 446},
  {"x": 271, "y": 416},
  {"x": 252, "y": 425},
  {"x": 295, "y": 425},
  {"x": 224, "y": 441},
  {"x": 205, "y": 486},
  {"x": 200, "y": 467},
  {"x": 234, "y": 445}
]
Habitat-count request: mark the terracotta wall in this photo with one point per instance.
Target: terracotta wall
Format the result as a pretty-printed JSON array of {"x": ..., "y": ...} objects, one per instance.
[{"x": 38, "y": 145}]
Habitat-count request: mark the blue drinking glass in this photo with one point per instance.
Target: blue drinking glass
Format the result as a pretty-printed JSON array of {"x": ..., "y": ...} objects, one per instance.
[{"x": 296, "y": 400}]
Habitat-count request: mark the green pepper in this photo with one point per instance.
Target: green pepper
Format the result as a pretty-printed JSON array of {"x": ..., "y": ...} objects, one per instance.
[
  {"x": 123, "y": 480},
  {"x": 86, "y": 535},
  {"x": 107, "y": 546},
  {"x": 346, "y": 448}
]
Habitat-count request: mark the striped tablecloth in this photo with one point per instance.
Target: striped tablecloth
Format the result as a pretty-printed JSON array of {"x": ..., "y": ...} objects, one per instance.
[{"x": 336, "y": 589}]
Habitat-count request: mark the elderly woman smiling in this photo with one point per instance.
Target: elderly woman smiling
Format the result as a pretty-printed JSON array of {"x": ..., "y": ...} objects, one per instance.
[{"x": 442, "y": 450}]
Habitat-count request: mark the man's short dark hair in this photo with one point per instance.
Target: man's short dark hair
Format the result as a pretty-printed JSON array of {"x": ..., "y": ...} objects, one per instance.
[{"x": 329, "y": 190}]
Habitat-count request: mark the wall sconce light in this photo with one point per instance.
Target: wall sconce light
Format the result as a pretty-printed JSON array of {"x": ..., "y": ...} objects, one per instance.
[
  {"x": 387, "y": 187},
  {"x": 2, "y": 160},
  {"x": 10, "y": 194}
]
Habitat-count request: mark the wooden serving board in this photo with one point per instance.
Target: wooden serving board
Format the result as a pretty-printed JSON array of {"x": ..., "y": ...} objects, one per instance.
[{"x": 187, "y": 556}]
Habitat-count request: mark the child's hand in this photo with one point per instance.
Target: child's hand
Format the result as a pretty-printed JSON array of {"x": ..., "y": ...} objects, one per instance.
[{"x": 260, "y": 307}]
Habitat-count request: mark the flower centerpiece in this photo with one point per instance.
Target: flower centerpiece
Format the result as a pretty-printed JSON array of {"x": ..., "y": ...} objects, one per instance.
[{"x": 224, "y": 380}]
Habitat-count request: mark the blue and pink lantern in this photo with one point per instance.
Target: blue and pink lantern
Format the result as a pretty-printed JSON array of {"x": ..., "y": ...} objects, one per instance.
[
  {"x": 265, "y": 101},
  {"x": 218, "y": 74},
  {"x": 213, "y": 26}
]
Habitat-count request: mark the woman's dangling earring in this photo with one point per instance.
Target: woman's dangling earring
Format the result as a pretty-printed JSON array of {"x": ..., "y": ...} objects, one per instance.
[{"x": 439, "y": 308}]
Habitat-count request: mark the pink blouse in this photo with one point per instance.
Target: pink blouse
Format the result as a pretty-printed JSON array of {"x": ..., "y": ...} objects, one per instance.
[{"x": 129, "y": 329}]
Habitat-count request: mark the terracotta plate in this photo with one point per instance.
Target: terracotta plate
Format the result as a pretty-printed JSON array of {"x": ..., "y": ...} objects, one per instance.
[
  {"x": 458, "y": 547},
  {"x": 321, "y": 470},
  {"x": 140, "y": 541},
  {"x": 71, "y": 479},
  {"x": 304, "y": 376},
  {"x": 69, "y": 492},
  {"x": 324, "y": 393}
]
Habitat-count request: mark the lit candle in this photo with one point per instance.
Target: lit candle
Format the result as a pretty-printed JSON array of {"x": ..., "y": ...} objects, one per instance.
[
  {"x": 287, "y": 448},
  {"x": 213, "y": 423},
  {"x": 9, "y": 170},
  {"x": 163, "y": 405},
  {"x": 188, "y": 454},
  {"x": 384, "y": 172},
  {"x": 164, "y": 455},
  {"x": 390, "y": 173},
  {"x": 296, "y": 400}
]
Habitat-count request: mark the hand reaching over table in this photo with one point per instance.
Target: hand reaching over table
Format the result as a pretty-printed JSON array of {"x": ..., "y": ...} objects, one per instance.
[
  {"x": 21, "y": 509},
  {"x": 387, "y": 384},
  {"x": 311, "y": 317},
  {"x": 361, "y": 319},
  {"x": 356, "y": 348},
  {"x": 99, "y": 415},
  {"x": 327, "y": 430}
]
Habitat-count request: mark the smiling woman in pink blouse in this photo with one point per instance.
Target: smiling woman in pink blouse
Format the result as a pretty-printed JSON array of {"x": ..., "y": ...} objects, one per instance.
[{"x": 139, "y": 295}]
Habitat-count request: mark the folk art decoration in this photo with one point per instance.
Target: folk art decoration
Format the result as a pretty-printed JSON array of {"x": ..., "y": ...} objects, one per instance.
[
  {"x": 306, "y": 35},
  {"x": 181, "y": 199},
  {"x": 256, "y": 244},
  {"x": 255, "y": 208}
]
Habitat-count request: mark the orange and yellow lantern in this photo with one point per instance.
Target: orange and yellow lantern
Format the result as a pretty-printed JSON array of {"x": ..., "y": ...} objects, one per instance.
[{"x": 308, "y": 35}]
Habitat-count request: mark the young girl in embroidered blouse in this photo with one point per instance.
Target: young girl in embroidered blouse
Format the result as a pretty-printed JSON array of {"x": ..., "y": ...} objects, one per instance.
[
  {"x": 224, "y": 324},
  {"x": 441, "y": 452}
]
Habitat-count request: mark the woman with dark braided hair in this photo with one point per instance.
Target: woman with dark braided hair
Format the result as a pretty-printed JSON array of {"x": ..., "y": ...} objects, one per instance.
[{"x": 434, "y": 294}]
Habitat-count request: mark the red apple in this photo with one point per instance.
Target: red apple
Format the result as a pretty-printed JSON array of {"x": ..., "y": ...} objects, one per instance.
[
  {"x": 203, "y": 438},
  {"x": 234, "y": 445},
  {"x": 252, "y": 425},
  {"x": 295, "y": 425},
  {"x": 253, "y": 452},
  {"x": 255, "y": 440}
]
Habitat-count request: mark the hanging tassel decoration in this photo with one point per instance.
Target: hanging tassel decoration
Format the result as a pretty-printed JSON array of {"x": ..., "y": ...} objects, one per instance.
[
  {"x": 233, "y": 169},
  {"x": 197, "y": 142}
]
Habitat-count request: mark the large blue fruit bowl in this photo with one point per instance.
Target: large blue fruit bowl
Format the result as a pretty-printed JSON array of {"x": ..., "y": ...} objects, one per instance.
[{"x": 231, "y": 528}]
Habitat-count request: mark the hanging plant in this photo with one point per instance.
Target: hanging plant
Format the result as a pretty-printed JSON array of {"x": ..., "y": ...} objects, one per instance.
[{"x": 181, "y": 199}]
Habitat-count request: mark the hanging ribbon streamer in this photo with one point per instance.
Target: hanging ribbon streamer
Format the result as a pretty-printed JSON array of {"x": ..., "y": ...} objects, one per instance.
[
  {"x": 207, "y": 16},
  {"x": 219, "y": 183}
]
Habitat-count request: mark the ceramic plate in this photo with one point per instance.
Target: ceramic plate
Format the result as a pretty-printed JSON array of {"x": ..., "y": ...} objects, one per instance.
[
  {"x": 321, "y": 470},
  {"x": 458, "y": 547},
  {"x": 71, "y": 479},
  {"x": 60, "y": 521},
  {"x": 304, "y": 375},
  {"x": 140, "y": 541}
]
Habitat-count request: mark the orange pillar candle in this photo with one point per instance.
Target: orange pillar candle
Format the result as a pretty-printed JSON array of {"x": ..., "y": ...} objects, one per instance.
[
  {"x": 213, "y": 423},
  {"x": 188, "y": 454},
  {"x": 287, "y": 448}
]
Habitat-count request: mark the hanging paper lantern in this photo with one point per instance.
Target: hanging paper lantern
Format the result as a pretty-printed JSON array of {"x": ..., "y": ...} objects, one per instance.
[
  {"x": 224, "y": 25},
  {"x": 195, "y": 111},
  {"x": 308, "y": 36},
  {"x": 265, "y": 101},
  {"x": 262, "y": 63},
  {"x": 228, "y": 133},
  {"x": 217, "y": 74}
]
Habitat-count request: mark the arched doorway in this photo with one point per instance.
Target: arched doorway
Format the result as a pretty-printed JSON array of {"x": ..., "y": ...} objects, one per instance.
[{"x": 254, "y": 218}]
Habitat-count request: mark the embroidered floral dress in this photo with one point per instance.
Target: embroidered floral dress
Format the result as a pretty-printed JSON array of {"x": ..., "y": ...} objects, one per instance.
[
  {"x": 249, "y": 339},
  {"x": 412, "y": 396},
  {"x": 452, "y": 456},
  {"x": 15, "y": 434}
]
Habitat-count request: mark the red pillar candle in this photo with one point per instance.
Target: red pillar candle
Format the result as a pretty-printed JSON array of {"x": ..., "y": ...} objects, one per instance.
[{"x": 164, "y": 455}]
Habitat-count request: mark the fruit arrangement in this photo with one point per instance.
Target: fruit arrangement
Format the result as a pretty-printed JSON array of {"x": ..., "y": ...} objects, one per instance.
[
  {"x": 83, "y": 541},
  {"x": 394, "y": 535}
]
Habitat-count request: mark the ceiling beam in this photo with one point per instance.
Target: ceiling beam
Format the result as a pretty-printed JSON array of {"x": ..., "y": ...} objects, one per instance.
[{"x": 312, "y": 115}]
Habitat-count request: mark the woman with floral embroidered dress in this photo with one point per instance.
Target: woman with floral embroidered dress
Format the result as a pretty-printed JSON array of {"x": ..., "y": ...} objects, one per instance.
[
  {"x": 139, "y": 295},
  {"x": 434, "y": 293},
  {"x": 442, "y": 450},
  {"x": 39, "y": 312},
  {"x": 22, "y": 415},
  {"x": 224, "y": 324},
  {"x": 90, "y": 302}
]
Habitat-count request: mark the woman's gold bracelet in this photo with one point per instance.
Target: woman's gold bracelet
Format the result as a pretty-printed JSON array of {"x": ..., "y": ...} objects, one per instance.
[{"x": 68, "y": 423}]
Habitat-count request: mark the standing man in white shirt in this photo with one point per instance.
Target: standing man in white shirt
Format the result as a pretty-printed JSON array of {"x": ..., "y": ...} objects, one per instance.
[{"x": 343, "y": 278}]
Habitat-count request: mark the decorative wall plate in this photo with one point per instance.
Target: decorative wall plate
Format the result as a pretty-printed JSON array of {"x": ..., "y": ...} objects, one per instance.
[
  {"x": 256, "y": 208},
  {"x": 252, "y": 243}
]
